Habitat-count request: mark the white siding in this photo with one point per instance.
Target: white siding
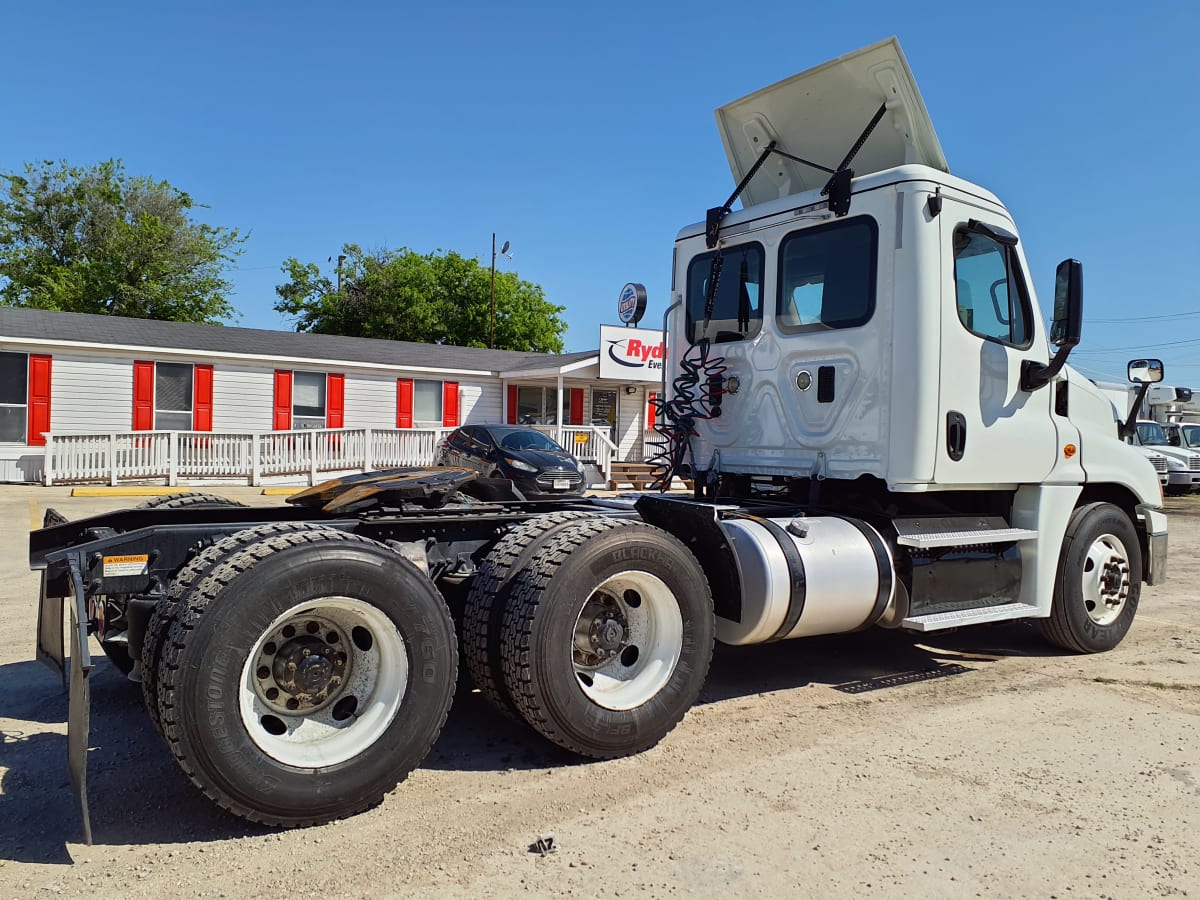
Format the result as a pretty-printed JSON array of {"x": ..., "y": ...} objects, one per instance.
[
  {"x": 370, "y": 400},
  {"x": 480, "y": 402},
  {"x": 91, "y": 393},
  {"x": 631, "y": 421},
  {"x": 243, "y": 397}
]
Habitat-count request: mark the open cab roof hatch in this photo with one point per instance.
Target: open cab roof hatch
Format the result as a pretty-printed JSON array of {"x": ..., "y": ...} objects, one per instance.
[{"x": 819, "y": 116}]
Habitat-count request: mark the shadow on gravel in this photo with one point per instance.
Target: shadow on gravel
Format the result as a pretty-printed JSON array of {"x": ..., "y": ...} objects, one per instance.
[
  {"x": 136, "y": 791},
  {"x": 139, "y": 795}
]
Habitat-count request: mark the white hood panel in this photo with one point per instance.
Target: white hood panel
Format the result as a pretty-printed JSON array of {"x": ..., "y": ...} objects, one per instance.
[{"x": 819, "y": 114}]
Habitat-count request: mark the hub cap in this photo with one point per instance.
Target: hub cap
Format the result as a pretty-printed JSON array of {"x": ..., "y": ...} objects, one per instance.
[
  {"x": 627, "y": 640},
  {"x": 1106, "y": 579},
  {"x": 324, "y": 682}
]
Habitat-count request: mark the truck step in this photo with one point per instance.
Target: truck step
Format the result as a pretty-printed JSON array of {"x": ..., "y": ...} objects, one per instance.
[
  {"x": 961, "y": 537},
  {"x": 955, "y": 618}
]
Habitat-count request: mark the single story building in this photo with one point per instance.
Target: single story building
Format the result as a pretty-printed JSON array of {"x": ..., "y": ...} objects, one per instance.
[{"x": 89, "y": 397}]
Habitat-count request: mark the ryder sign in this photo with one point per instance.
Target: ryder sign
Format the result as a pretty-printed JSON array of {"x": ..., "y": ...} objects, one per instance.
[{"x": 631, "y": 354}]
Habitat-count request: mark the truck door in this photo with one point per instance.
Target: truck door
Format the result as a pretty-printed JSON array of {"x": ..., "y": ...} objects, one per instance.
[{"x": 990, "y": 430}]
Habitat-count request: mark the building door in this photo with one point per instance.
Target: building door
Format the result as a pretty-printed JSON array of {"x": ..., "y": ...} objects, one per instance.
[{"x": 604, "y": 411}]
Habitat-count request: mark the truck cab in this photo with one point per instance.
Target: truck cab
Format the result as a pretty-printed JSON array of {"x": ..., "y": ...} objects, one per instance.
[{"x": 866, "y": 336}]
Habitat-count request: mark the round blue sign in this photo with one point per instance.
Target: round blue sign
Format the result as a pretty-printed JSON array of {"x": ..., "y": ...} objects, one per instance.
[{"x": 631, "y": 305}]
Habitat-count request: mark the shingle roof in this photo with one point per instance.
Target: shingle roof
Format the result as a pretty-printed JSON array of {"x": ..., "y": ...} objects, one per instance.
[{"x": 38, "y": 324}]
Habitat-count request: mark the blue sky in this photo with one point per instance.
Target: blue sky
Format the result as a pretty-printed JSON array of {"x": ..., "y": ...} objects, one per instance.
[{"x": 584, "y": 134}]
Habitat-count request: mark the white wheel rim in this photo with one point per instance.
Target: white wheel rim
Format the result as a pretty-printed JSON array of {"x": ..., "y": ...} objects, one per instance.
[
  {"x": 363, "y": 654},
  {"x": 627, "y": 640},
  {"x": 1106, "y": 579}
]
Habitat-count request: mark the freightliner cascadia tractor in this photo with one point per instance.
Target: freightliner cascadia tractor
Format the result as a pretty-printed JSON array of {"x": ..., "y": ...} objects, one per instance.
[{"x": 877, "y": 423}]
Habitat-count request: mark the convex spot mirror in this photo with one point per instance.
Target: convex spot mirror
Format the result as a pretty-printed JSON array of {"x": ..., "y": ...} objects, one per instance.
[
  {"x": 1068, "y": 304},
  {"x": 1145, "y": 371}
]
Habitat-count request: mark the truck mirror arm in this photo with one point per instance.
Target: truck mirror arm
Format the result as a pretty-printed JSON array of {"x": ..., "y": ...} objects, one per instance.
[
  {"x": 1128, "y": 427},
  {"x": 1036, "y": 375}
]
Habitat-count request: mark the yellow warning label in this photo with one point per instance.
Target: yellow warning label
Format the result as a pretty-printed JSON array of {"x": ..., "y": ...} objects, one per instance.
[{"x": 134, "y": 564}]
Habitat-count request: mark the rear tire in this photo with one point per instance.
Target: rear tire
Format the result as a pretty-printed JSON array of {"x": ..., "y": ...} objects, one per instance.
[
  {"x": 1099, "y": 581},
  {"x": 488, "y": 598},
  {"x": 187, "y": 499},
  {"x": 307, "y": 675},
  {"x": 608, "y": 637}
]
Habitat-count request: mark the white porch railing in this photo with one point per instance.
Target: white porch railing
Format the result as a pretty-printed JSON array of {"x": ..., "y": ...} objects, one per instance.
[
  {"x": 172, "y": 455},
  {"x": 587, "y": 443}
]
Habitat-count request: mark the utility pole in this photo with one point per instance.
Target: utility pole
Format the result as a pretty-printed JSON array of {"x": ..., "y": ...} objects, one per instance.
[
  {"x": 492, "y": 338},
  {"x": 341, "y": 259},
  {"x": 504, "y": 249}
]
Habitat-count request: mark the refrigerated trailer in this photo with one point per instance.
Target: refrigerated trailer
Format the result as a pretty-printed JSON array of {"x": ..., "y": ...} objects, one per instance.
[{"x": 880, "y": 428}]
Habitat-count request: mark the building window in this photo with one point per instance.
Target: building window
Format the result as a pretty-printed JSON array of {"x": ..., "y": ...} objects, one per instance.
[
  {"x": 537, "y": 405},
  {"x": 308, "y": 400},
  {"x": 427, "y": 402},
  {"x": 14, "y": 395},
  {"x": 173, "y": 396}
]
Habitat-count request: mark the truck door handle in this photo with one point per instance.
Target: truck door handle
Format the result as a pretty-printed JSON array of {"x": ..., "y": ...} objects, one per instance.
[{"x": 956, "y": 435}]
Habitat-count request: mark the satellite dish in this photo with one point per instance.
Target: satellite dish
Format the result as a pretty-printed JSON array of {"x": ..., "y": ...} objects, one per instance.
[{"x": 504, "y": 249}]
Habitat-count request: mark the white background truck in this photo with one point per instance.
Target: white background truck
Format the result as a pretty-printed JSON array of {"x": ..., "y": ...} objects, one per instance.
[{"x": 859, "y": 381}]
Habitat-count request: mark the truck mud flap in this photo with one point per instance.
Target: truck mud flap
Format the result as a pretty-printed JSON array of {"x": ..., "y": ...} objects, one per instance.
[
  {"x": 50, "y": 632},
  {"x": 50, "y": 651}
]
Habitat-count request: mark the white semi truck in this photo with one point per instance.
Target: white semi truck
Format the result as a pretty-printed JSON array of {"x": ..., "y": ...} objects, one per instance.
[{"x": 859, "y": 381}]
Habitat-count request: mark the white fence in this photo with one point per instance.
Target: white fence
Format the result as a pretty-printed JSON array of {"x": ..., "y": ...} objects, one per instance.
[
  {"x": 176, "y": 455},
  {"x": 185, "y": 455}
]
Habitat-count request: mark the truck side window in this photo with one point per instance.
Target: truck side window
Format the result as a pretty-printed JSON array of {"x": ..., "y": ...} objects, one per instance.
[
  {"x": 989, "y": 289},
  {"x": 827, "y": 276},
  {"x": 737, "y": 305}
]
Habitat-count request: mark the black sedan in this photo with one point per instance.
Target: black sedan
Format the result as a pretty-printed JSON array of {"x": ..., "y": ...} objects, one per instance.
[{"x": 535, "y": 463}]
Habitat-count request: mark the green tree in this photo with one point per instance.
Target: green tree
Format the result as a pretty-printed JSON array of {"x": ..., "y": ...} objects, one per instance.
[
  {"x": 435, "y": 298},
  {"x": 97, "y": 240}
]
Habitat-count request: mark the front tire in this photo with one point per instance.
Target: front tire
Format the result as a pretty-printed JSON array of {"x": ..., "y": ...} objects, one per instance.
[
  {"x": 1099, "y": 581},
  {"x": 307, "y": 675},
  {"x": 607, "y": 638}
]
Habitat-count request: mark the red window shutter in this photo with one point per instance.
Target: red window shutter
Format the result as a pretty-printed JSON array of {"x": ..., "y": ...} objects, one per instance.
[
  {"x": 143, "y": 396},
  {"x": 404, "y": 402},
  {"x": 283, "y": 400},
  {"x": 650, "y": 398},
  {"x": 512, "y": 404},
  {"x": 335, "y": 401},
  {"x": 39, "y": 399},
  {"x": 576, "y": 406},
  {"x": 450, "y": 404},
  {"x": 202, "y": 398}
]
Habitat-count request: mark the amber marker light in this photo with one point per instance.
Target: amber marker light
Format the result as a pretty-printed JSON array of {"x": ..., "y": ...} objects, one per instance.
[{"x": 1069, "y": 451}]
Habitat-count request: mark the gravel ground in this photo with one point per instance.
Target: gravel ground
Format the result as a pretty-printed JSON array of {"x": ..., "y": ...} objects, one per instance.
[{"x": 828, "y": 767}]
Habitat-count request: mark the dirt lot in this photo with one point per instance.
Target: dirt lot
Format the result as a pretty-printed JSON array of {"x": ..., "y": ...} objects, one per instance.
[{"x": 826, "y": 768}]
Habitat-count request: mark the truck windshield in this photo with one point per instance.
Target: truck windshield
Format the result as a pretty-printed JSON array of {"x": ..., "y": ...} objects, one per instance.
[
  {"x": 1191, "y": 435},
  {"x": 1150, "y": 434}
]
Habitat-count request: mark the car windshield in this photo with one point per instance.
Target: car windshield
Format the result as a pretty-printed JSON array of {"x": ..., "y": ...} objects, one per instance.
[
  {"x": 1151, "y": 434},
  {"x": 528, "y": 440}
]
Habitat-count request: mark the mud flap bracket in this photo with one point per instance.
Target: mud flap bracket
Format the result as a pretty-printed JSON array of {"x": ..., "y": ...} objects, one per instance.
[{"x": 79, "y": 702}]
